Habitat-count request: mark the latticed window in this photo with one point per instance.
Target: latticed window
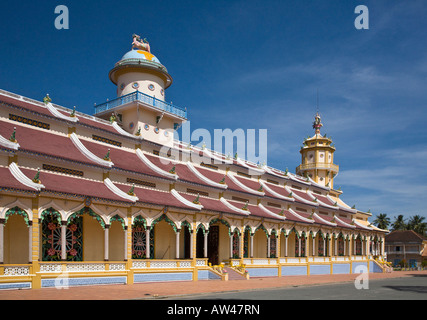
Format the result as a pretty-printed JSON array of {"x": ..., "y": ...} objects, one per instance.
[
  {"x": 320, "y": 246},
  {"x": 340, "y": 246},
  {"x": 52, "y": 237},
  {"x": 235, "y": 245},
  {"x": 74, "y": 239},
  {"x": 273, "y": 246},
  {"x": 246, "y": 237},
  {"x": 358, "y": 246},
  {"x": 297, "y": 246},
  {"x": 139, "y": 240}
]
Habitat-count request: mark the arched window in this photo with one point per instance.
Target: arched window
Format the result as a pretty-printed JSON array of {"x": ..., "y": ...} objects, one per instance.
[
  {"x": 51, "y": 235},
  {"x": 139, "y": 240}
]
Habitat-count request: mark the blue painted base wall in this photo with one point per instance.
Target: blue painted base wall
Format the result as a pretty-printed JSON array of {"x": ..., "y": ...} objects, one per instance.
[
  {"x": 163, "y": 276},
  {"x": 263, "y": 272},
  {"x": 86, "y": 281}
]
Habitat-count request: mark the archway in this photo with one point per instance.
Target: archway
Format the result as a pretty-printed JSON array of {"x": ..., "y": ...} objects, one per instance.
[
  {"x": 16, "y": 237},
  {"x": 218, "y": 241}
]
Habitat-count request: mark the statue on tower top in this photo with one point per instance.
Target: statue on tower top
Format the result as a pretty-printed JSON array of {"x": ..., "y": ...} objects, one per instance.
[
  {"x": 317, "y": 124},
  {"x": 137, "y": 43}
]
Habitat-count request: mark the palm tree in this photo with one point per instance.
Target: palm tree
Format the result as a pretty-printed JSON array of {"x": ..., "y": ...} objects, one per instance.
[
  {"x": 416, "y": 223},
  {"x": 382, "y": 221},
  {"x": 399, "y": 223}
]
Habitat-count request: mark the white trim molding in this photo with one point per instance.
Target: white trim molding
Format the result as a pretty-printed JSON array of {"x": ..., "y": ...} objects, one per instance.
[
  {"x": 22, "y": 178},
  {"x": 203, "y": 178},
  {"x": 185, "y": 201},
  {"x": 58, "y": 114},
  {"x": 110, "y": 185},
  {"x": 79, "y": 145},
  {"x": 153, "y": 167},
  {"x": 230, "y": 206}
]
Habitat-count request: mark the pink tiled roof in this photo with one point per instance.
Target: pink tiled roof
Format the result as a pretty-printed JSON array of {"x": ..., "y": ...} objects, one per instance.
[
  {"x": 73, "y": 186},
  {"x": 43, "y": 142},
  {"x": 7, "y": 180}
]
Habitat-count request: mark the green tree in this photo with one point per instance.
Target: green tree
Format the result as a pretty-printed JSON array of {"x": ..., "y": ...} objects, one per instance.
[
  {"x": 382, "y": 221},
  {"x": 399, "y": 223},
  {"x": 417, "y": 224}
]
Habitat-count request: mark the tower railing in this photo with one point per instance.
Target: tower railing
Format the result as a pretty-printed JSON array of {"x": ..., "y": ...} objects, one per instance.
[{"x": 145, "y": 98}]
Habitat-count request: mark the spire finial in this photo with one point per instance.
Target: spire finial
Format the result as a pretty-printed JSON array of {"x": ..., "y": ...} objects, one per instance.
[{"x": 317, "y": 124}]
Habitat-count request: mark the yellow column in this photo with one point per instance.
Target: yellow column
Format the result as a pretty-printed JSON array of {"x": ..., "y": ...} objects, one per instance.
[
  {"x": 279, "y": 271},
  {"x": 35, "y": 245},
  {"x": 194, "y": 235},
  {"x": 129, "y": 247}
]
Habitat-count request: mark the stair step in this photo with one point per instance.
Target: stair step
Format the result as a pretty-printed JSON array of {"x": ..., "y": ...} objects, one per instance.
[{"x": 233, "y": 275}]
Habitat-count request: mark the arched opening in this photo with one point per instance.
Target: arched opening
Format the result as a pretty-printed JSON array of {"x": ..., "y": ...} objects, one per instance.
[
  {"x": 358, "y": 245},
  {"x": 16, "y": 237},
  {"x": 321, "y": 244},
  {"x": 260, "y": 242},
  {"x": 116, "y": 239},
  {"x": 218, "y": 241},
  {"x": 246, "y": 242},
  {"x": 86, "y": 230},
  {"x": 185, "y": 240},
  {"x": 201, "y": 243},
  {"x": 341, "y": 245},
  {"x": 139, "y": 239},
  {"x": 164, "y": 238},
  {"x": 51, "y": 235},
  {"x": 236, "y": 244},
  {"x": 273, "y": 244}
]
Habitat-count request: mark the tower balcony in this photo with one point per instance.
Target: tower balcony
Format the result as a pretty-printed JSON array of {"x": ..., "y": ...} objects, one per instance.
[
  {"x": 311, "y": 166},
  {"x": 144, "y": 99}
]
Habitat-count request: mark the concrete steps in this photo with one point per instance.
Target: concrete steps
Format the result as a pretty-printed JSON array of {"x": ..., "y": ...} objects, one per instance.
[{"x": 233, "y": 275}]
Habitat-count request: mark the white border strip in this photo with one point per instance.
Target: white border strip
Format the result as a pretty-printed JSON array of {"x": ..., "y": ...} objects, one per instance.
[
  {"x": 323, "y": 220},
  {"x": 348, "y": 209},
  {"x": 270, "y": 171},
  {"x": 344, "y": 223},
  {"x": 361, "y": 225},
  {"x": 153, "y": 167},
  {"x": 300, "y": 217},
  {"x": 205, "y": 179},
  {"x": 79, "y": 145},
  {"x": 58, "y": 114},
  {"x": 123, "y": 132},
  {"x": 9, "y": 144},
  {"x": 294, "y": 178},
  {"x": 274, "y": 193},
  {"x": 270, "y": 212},
  {"x": 229, "y": 205},
  {"x": 212, "y": 156},
  {"x": 244, "y": 187},
  {"x": 185, "y": 201},
  {"x": 22, "y": 178},
  {"x": 320, "y": 202},
  {"x": 313, "y": 203},
  {"x": 243, "y": 164},
  {"x": 110, "y": 185}
]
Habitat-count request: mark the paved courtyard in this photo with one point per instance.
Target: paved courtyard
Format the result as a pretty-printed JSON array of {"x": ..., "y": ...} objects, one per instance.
[{"x": 197, "y": 290}]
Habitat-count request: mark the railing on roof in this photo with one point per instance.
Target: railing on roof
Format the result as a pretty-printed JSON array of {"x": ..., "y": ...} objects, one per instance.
[{"x": 145, "y": 98}]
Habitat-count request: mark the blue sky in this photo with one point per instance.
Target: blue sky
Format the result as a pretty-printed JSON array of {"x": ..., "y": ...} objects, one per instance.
[{"x": 254, "y": 65}]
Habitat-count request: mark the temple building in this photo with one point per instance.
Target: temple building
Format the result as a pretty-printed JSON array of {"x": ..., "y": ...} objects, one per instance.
[{"x": 114, "y": 198}]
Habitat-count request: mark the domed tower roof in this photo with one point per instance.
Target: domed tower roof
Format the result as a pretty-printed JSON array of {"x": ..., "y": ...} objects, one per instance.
[{"x": 138, "y": 60}]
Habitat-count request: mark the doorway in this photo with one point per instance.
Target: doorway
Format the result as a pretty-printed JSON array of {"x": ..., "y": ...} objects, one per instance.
[{"x": 213, "y": 245}]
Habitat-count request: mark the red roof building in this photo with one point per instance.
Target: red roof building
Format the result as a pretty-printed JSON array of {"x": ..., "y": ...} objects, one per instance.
[{"x": 116, "y": 186}]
